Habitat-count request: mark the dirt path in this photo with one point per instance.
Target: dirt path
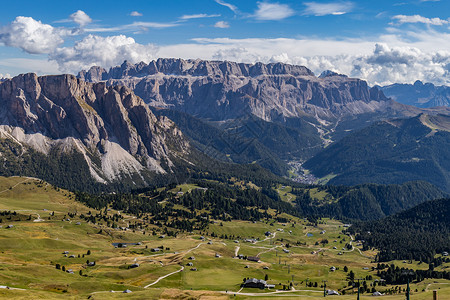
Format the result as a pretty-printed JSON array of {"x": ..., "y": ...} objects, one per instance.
[
  {"x": 8, "y": 189},
  {"x": 268, "y": 237},
  {"x": 428, "y": 285},
  {"x": 274, "y": 293},
  {"x": 268, "y": 250},
  {"x": 193, "y": 248},
  {"x": 38, "y": 219},
  {"x": 10, "y": 288},
  {"x": 162, "y": 277},
  {"x": 236, "y": 251}
]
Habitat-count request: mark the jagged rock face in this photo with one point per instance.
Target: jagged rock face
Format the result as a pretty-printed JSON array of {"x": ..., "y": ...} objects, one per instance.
[
  {"x": 222, "y": 90},
  {"x": 110, "y": 123}
]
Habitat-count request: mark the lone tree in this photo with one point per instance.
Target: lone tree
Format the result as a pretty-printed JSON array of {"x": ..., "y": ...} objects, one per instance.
[{"x": 351, "y": 276}]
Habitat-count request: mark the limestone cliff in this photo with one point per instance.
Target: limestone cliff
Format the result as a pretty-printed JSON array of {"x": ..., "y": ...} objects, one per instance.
[{"x": 113, "y": 128}]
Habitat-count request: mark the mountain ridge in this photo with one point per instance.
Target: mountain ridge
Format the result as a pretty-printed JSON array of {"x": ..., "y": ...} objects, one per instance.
[
  {"x": 419, "y": 94},
  {"x": 113, "y": 128},
  {"x": 392, "y": 151},
  {"x": 269, "y": 91}
]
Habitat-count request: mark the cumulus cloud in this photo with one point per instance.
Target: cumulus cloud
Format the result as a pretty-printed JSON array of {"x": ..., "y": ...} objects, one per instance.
[
  {"x": 32, "y": 36},
  {"x": 230, "y": 6},
  {"x": 402, "y": 19},
  {"x": 136, "y": 14},
  {"x": 240, "y": 55},
  {"x": 197, "y": 16},
  {"x": 387, "y": 65},
  {"x": 384, "y": 65},
  {"x": 102, "y": 51},
  {"x": 81, "y": 18},
  {"x": 323, "y": 9},
  {"x": 222, "y": 24},
  {"x": 273, "y": 11}
]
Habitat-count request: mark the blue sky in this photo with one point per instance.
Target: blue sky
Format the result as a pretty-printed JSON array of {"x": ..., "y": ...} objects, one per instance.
[{"x": 380, "y": 41}]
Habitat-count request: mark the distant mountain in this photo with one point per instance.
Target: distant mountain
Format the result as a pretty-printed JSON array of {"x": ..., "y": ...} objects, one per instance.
[
  {"x": 387, "y": 152},
  {"x": 62, "y": 125},
  {"x": 418, "y": 94},
  {"x": 273, "y": 112},
  {"x": 221, "y": 90}
]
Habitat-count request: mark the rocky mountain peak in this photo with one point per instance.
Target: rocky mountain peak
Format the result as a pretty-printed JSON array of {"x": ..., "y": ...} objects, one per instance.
[
  {"x": 181, "y": 67},
  {"x": 329, "y": 73},
  {"x": 107, "y": 122}
]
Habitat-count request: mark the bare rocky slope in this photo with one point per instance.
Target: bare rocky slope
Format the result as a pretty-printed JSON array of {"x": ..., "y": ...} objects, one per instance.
[{"x": 113, "y": 129}]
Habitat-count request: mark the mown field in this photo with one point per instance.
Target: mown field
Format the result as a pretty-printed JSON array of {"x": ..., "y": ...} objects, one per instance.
[{"x": 43, "y": 230}]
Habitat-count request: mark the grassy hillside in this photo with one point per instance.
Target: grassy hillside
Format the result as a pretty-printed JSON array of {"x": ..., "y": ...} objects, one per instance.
[
  {"x": 390, "y": 152},
  {"x": 45, "y": 221}
]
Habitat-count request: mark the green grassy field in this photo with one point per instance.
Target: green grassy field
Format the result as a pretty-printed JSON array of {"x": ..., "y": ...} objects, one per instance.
[{"x": 31, "y": 250}]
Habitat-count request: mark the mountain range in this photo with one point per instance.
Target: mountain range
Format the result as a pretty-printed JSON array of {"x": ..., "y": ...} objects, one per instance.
[
  {"x": 135, "y": 122},
  {"x": 419, "y": 94},
  {"x": 392, "y": 151},
  {"x": 221, "y": 90},
  {"x": 265, "y": 113}
]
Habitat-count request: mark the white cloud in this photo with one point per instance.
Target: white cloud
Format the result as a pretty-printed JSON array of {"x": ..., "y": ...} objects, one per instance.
[
  {"x": 230, "y": 6},
  {"x": 135, "y": 26},
  {"x": 197, "y": 16},
  {"x": 240, "y": 55},
  {"x": 136, "y": 14},
  {"x": 322, "y": 9},
  {"x": 387, "y": 65},
  {"x": 222, "y": 24},
  {"x": 426, "y": 59},
  {"x": 402, "y": 19},
  {"x": 101, "y": 51},
  {"x": 32, "y": 36},
  {"x": 273, "y": 11},
  {"x": 81, "y": 18},
  {"x": 6, "y": 76}
]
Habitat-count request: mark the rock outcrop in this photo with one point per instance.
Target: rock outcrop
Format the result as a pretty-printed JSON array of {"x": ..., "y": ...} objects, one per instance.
[{"x": 113, "y": 128}]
